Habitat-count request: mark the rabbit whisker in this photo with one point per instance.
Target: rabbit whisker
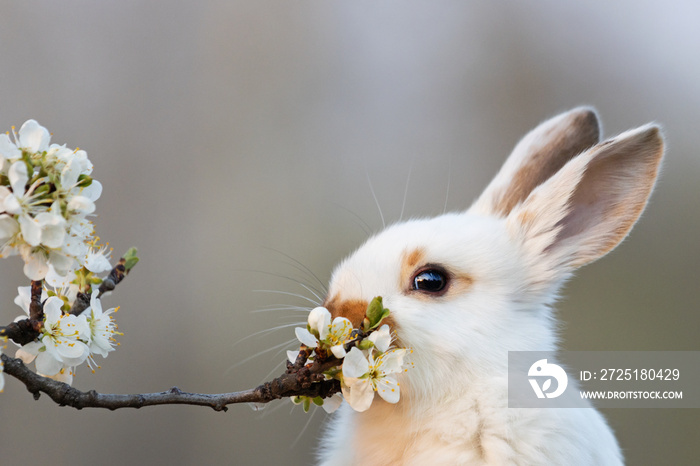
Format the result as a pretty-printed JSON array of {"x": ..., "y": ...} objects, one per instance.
[
  {"x": 302, "y": 268},
  {"x": 287, "y": 293},
  {"x": 359, "y": 220},
  {"x": 260, "y": 353},
  {"x": 376, "y": 201},
  {"x": 308, "y": 288},
  {"x": 405, "y": 192}
]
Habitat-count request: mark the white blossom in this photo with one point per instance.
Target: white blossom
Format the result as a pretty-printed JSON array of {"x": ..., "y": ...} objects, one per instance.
[
  {"x": 47, "y": 195},
  {"x": 102, "y": 327},
  {"x": 319, "y": 321},
  {"x": 338, "y": 334},
  {"x": 363, "y": 375},
  {"x": 96, "y": 260},
  {"x": 321, "y": 331},
  {"x": 61, "y": 345}
]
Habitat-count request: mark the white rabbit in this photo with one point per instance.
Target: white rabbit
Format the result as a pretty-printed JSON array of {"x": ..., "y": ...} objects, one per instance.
[{"x": 465, "y": 288}]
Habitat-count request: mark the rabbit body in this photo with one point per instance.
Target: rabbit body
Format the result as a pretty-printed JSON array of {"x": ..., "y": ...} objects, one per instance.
[{"x": 561, "y": 200}]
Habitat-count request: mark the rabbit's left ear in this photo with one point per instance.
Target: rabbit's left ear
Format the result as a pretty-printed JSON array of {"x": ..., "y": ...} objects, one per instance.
[
  {"x": 590, "y": 204},
  {"x": 538, "y": 156}
]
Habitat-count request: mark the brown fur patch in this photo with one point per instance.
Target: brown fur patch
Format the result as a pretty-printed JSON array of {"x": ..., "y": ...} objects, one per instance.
[
  {"x": 460, "y": 284},
  {"x": 354, "y": 309},
  {"x": 410, "y": 261}
]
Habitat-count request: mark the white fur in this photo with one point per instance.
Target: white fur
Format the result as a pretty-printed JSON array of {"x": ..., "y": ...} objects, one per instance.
[{"x": 453, "y": 409}]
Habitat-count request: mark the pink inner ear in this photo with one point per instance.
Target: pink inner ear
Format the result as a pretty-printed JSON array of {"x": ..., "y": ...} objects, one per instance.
[{"x": 611, "y": 194}]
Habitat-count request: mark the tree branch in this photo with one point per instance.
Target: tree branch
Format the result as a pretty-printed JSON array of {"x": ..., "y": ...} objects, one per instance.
[
  {"x": 22, "y": 332},
  {"x": 305, "y": 381},
  {"x": 36, "y": 309}
]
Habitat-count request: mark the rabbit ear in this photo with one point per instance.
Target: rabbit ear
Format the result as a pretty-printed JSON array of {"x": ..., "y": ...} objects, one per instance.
[
  {"x": 538, "y": 156},
  {"x": 589, "y": 206}
]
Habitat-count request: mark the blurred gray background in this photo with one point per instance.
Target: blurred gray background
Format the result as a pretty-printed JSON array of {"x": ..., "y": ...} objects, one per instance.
[{"x": 236, "y": 138}]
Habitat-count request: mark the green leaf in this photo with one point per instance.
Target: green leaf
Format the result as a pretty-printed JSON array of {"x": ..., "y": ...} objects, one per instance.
[
  {"x": 365, "y": 344},
  {"x": 318, "y": 401},
  {"x": 385, "y": 313},
  {"x": 84, "y": 181},
  {"x": 130, "y": 258},
  {"x": 44, "y": 188},
  {"x": 307, "y": 404},
  {"x": 375, "y": 310},
  {"x": 331, "y": 373}
]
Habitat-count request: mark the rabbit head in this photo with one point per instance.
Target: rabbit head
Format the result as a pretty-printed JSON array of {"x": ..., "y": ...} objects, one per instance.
[{"x": 465, "y": 288}]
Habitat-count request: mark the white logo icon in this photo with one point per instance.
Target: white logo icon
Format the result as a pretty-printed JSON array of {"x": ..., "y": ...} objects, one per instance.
[{"x": 542, "y": 369}]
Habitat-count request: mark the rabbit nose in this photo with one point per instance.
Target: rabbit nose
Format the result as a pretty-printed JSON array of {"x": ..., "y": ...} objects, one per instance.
[{"x": 352, "y": 309}]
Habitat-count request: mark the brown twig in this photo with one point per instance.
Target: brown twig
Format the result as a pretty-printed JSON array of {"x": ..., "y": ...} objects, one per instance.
[
  {"x": 82, "y": 301},
  {"x": 22, "y": 332},
  {"x": 36, "y": 308},
  {"x": 116, "y": 275},
  {"x": 308, "y": 381}
]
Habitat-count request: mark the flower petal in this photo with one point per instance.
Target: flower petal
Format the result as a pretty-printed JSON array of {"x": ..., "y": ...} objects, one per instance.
[
  {"x": 392, "y": 361},
  {"x": 8, "y": 228},
  {"x": 358, "y": 393},
  {"x": 70, "y": 174},
  {"x": 319, "y": 320},
  {"x": 28, "y": 352},
  {"x": 33, "y": 136},
  {"x": 18, "y": 177},
  {"x": 57, "y": 280},
  {"x": 96, "y": 262},
  {"x": 388, "y": 389},
  {"x": 63, "y": 264},
  {"x": 73, "y": 353},
  {"x": 355, "y": 364},
  {"x": 52, "y": 309},
  {"x": 47, "y": 364},
  {"x": 92, "y": 192},
  {"x": 306, "y": 337},
  {"x": 11, "y": 204},
  {"x": 81, "y": 205},
  {"x": 338, "y": 351},
  {"x": 31, "y": 230},
  {"x": 64, "y": 375},
  {"x": 53, "y": 229},
  {"x": 8, "y": 150},
  {"x": 24, "y": 297},
  {"x": 292, "y": 356},
  {"x": 35, "y": 266},
  {"x": 4, "y": 192},
  {"x": 381, "y": 338},
  {"x": 332, "y": 403}
]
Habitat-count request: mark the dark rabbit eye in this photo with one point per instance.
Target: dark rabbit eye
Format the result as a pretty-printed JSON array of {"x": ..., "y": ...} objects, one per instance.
[{"x": 430, "y": 281}]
